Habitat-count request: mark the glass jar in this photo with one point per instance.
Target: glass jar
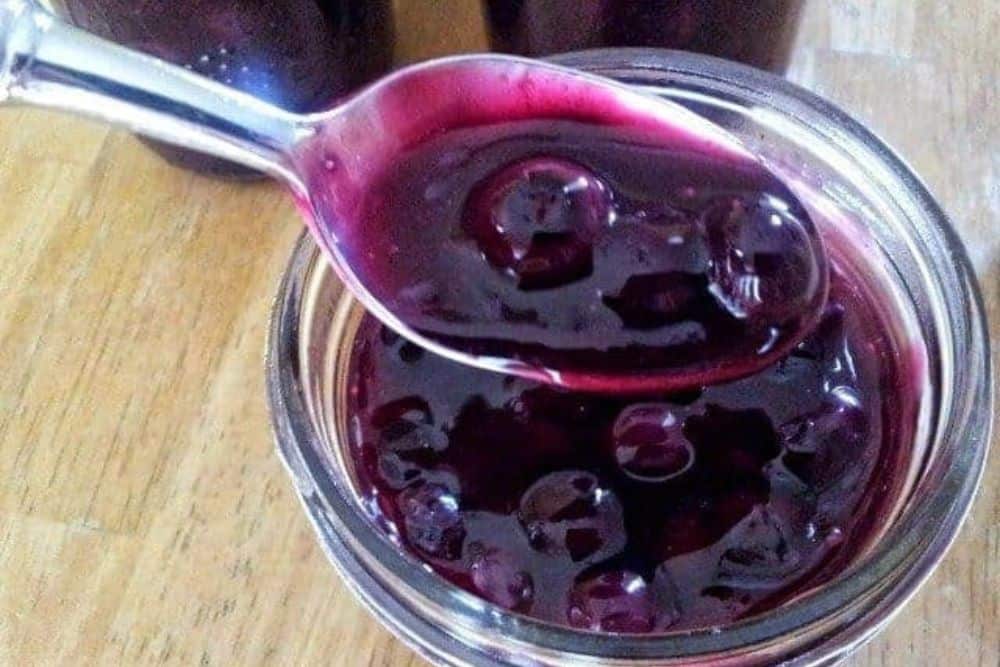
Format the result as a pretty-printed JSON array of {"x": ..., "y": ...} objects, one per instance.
[
  {"x": 298, "y": 54},
  {"x": 758, "y": 33},
  {"x": 865, "y": 187}
]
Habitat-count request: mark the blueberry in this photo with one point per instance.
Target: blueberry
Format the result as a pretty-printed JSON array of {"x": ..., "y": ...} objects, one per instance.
[
  {"x": 617, "y": 601},
  {"x": 570, "y": 512},
  {"x": 766, "y": 267},
  {"x": 537, "y": 220},
  {"x": 841, "y": 419},
  {"x": 649, "y": 443},
  {"x": 760, "y": 552},
  {"x": 406, "y": 424},
  {"x": 824, "y": 445},
  {"x": 433, "y": 520},
  {"x": 498, "y": 577}
]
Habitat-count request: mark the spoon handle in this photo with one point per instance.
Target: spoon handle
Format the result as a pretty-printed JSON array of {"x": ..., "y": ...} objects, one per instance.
[{"x": 48, "y": 63}]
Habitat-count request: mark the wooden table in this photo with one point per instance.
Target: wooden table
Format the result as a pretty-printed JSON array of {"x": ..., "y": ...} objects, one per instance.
[{"x": 144, "y": 517}]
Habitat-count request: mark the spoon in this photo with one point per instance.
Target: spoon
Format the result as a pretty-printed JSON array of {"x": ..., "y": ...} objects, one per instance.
[{"x": 338, "y": 162}]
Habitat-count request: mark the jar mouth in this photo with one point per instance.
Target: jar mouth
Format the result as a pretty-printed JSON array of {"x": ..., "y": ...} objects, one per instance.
[{"x": 449, "y": 624}]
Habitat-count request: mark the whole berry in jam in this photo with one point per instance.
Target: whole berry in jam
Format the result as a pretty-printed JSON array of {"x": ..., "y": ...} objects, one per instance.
[
  {"x": 649, "y": 443},
  {"x": 617, "y": 601},
  {"x": 572, "y": 513},
  {"x": 498, "y": 577},
  {"x": 537, "y": 220},
  {"x": 432, "y": 520},
  {"x": 761, "y": 552},
  {"x": 762, "y": 266}
]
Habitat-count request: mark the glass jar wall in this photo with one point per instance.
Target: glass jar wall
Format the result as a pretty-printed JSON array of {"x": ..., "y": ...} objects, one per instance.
[{"x": 879, "y": 203}]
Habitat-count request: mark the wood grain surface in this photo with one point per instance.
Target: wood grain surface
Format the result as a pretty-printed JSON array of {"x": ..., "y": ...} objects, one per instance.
[{"x": 144, "y": 517}]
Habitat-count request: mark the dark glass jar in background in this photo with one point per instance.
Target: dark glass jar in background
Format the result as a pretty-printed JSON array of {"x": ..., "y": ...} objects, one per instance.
[
  {"x": 755, "y": 32},
  {"x": 298, "y": 54}
]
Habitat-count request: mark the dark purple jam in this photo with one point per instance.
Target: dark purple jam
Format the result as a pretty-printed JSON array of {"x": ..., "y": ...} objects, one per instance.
[
  {"x": 638, "y": 514},
  {"x": 756, "y": 32},
  {"x": 609, "y": 256},
  {"x": 298, "y": 54}
]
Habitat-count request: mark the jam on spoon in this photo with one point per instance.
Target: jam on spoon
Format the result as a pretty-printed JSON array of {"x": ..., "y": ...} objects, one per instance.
[
  {"x": 506, "y": 213},
  {"x": 611, "y": 258}
]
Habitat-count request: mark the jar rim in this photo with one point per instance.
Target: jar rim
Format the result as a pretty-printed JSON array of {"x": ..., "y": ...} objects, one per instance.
[{"x": 879, "y": 584}]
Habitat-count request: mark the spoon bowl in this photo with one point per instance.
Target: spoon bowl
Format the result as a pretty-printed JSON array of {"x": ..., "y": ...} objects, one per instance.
[
  {"x": 355, "y": 145},
  {"x": 343, "y": 164}
]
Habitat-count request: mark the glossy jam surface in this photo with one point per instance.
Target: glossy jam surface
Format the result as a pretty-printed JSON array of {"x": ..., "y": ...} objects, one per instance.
[
  {"x": 298, "y": 54},
  {"x": 756, "y": 32},
  {"x": 645, "y": 514},
  {"x": 608, "y": 256}
]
